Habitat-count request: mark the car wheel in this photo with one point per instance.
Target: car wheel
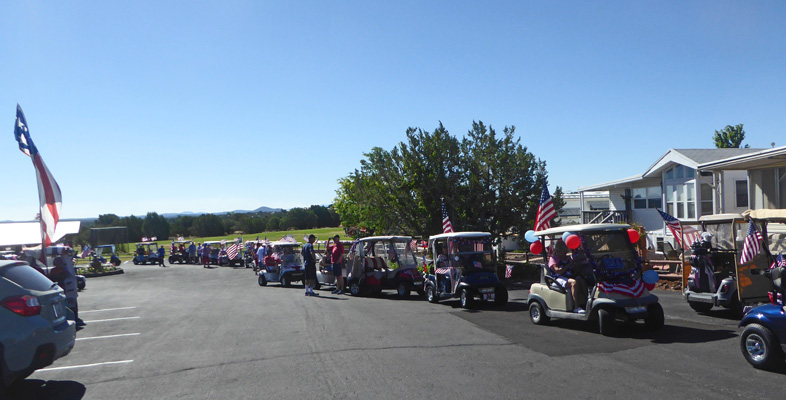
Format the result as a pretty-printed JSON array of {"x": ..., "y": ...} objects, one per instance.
[
  {"x": 354, "y": 288},
  {"x": 136, "y": 262},
  {"x": 262, "y": 281},
  {"x": 537, "y": 314},
  {"x": 655, "y": 319},
  {"x": 285, "y": 281},
  {"x": 171, "y": 260},
  {"x": 606, "y": 323},
  {"x": 700, "y": 307},
  {"x": 403, "y": 289},
  {"x": 760, "y": 347},
  {"x": 431, "y": 294},
  {"x": 501, "y": 297},
  {"x": 466, "y": 299}
]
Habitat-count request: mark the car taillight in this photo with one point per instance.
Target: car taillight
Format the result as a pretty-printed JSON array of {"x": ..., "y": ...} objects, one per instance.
[{"x": 25, "y": 305}]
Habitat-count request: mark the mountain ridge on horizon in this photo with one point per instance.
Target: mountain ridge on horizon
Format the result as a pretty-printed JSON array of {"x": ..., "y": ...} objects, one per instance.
[{"x": 263, "y": 209}]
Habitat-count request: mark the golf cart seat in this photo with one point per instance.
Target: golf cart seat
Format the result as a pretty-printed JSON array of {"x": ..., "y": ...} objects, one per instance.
[
  {"x": 374, "y": 263},
  {"x": 777, "y": 274}
]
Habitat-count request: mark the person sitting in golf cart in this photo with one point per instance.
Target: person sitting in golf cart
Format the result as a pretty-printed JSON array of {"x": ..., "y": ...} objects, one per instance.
[{"x": 562, "y": 266}]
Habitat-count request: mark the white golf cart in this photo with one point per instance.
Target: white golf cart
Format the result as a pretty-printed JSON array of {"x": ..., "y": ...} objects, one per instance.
[
  {"x": 383, "y": 262},
  {"x": 288, "y": 267}
]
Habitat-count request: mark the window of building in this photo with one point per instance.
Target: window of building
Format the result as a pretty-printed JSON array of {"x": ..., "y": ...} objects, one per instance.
[
  {"x": 649, "y": 197},
  {"x": 706, "y": 199},
  {"x": 742, "y": 193}
]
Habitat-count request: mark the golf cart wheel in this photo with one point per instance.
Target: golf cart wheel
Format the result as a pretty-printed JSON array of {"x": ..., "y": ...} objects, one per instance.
[
  {"x": 700, "y": 307},
  {"x": 606, "y": 322},
  {"x": 285, "y": 281},
  {"x": 537, "y": 315},
  {"x": 466, "y": 299},
  {"x": 501, "y": 297},
  {"x": 655, "y": 319},
  {"x": 431, "y": 294},
  {"x": 262, "y": 281},
  {"x": 760, "y": 347},
  {"x": 172, "y": 260},
  {"x": 116, "y": 263},
  {"x": 354, "y": 288},
  {"x": 136, "y": 262},
  {"x": 403, "y": 289}
]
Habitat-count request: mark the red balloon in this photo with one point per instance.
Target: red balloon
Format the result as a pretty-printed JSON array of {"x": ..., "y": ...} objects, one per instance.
[
  {"x": 573, "y": 242},
  {"x": 536, "y": 247},
  {"x": 633, "y": 235}
]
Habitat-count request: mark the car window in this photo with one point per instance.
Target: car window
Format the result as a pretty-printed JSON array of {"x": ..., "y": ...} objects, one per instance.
[{"x": 26, "y": 277}]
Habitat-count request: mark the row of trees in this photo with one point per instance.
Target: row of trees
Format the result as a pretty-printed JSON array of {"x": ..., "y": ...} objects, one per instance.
[
  {"x": 489, "y": 182},
  {"x": 155, "y": 225}
]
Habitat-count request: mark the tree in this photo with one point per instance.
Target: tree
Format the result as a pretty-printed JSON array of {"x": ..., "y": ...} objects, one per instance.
[
  {"x": 134, "y": 225},
  {"x": 107, "y": 220},
  {"x": 730, "y": 137},
  {"x": 488, "y": 182},
  {"x": 156, "y": 225},
  {"x": 208, "y": 225}
]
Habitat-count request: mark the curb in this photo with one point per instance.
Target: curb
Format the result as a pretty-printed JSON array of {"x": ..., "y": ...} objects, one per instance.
[{"x": 115, "y": 272}]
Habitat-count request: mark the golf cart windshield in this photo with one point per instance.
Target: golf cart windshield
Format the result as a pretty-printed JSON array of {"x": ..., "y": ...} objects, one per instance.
[
  {"x": 723, "y": 234},
  {"x": 289, "y": 255},
  {"x": 611, "y": 250},
  {"x": 465, "y": 252},
  {"x": 397, "y": 253},
  {"x": 776, "y": 235}
]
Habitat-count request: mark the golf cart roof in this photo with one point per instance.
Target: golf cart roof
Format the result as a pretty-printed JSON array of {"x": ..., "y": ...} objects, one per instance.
[
  {"x": 211, "y": 242},
  {"x": 280, "y": 243},
  {"x": 459, "y": 235},
  {"x": 146, "y": 244},
  {"x": 379, "y": 238},
  {"x": 103, "y": 246},
  {"x": 768, "y": 214},
  {"x": 182, "y": 241},
  {"x": 721, "y": 217},
  {"x": 581, "y": 228}
]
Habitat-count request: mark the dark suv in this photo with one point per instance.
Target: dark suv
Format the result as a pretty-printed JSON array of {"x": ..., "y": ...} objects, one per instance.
[{"x": 37, "y": 328}]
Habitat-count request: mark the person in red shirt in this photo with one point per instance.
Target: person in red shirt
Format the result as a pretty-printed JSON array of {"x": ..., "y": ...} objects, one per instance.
[{"x": 337, "y": 260}]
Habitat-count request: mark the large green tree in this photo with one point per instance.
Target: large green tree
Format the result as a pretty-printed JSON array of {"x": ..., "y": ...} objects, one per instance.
[
  {"x": 730, "y": 137},
  {"x": 156, "y": 225},
  {"x": 489, "y": 182}
]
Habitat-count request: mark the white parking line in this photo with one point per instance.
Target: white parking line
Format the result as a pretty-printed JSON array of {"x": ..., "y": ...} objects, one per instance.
[
  {"x": 86, "y": 365},
  {"x": 108, "y": 336},
  {"x": 111, "y": 319},
  {"x": 108, "y": 309}
]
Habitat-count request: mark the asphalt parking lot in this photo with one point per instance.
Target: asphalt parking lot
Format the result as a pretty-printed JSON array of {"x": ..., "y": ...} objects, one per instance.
[{"x": 189, "y": 332}]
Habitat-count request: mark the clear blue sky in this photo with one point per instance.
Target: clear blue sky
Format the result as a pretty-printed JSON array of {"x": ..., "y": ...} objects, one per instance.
[{"x": 209, "y": 106}]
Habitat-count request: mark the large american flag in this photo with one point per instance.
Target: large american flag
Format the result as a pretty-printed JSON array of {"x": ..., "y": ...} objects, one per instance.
[
  {"x": 233, "y": 250},
  {"x": 546, "y": 210},
  {"x": 447, "y": 227},
  {"x": 687, "y": 232},
  {"x": 49, "y": 196},
  {"x": 752, "y": 245}
]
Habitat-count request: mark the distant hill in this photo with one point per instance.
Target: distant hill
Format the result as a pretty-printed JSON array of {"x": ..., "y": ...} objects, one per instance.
[{"x": 196, "y": 214}]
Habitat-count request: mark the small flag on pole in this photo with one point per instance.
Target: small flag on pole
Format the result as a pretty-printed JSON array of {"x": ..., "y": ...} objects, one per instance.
[
  {"x": 508, "y": 271},
  {"x": 85, "y": 251},
  {"x": 680, "y": 232},
  {"x": 233, "y": 250},
  {"x": 545, "y": 210},
  {"x": 447, "y": 227},
  {"x": 779, "y": 261},
  {"x": 752, "y": 245}
]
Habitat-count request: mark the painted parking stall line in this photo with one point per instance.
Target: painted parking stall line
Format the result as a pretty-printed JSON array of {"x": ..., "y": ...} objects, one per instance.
[
  {"x": 107, "y": 309},
  {"x": 108, "y": 336},
  {"x": 110, "y": 319},
  {"x": 86, "y": 365}
]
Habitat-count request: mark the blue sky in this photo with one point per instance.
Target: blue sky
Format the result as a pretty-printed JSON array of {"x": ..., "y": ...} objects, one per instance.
[{"x": 173, "y": 106}]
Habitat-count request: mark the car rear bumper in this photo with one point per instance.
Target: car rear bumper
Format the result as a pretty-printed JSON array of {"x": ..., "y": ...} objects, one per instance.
[{"x": 39, "y": 349}]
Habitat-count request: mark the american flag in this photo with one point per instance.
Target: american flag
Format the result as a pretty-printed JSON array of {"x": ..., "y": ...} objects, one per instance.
[
  {"x": 752, "y": 245},
  {"x": 153, "y": 238},
  {"x": 223, "y": 242},
  {"x": 233, "y": 250},
  {"x": 85, "y": 251},
  {"x": 447, "y": 227},
  {"x": 414, "y": 245},
  {"x": 508, "y": 271},
  {"x": 779, "y": 261},
  {"x": 545, "y": 210},
  {"x": 144, "y": 239},
  {"x": 634, "y": 289},
  {"x": 49, "y": 196},
  {"x": 687, "y": 232}
]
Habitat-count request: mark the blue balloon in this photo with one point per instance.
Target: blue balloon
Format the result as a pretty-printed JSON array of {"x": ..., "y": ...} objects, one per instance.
[
  {"x": 650, "y": 277},
  {"x": 530, "y": 236},
  {"x": 565, "y": 236}
]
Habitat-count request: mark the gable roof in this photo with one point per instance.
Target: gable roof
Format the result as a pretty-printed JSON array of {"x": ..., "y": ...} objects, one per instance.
[{"x": 774, "y": 157}]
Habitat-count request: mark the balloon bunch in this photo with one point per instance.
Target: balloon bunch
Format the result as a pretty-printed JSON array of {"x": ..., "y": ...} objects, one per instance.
[{"x": 536, "y": 246}]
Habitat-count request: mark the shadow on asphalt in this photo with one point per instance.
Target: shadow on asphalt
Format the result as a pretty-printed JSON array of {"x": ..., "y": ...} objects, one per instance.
[{"x": 35, "y": 389}]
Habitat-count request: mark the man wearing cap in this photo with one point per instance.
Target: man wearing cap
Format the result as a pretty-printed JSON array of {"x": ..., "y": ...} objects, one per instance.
[
  {"x": 336, "y": 257},
  {"x": 310, "y": 266}
]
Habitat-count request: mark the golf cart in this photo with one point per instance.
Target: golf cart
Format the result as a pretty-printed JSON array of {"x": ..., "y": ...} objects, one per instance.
[
  {"x": 602, "y": 256},
  {"x": 180, "y": 256},
  {"x": 146, "y": 252},
  {"x": 113, "y": 258},
  {"x": 324, "y": 268},
  {"x": 288, "y": 265},
  {"x": 383, "y": 262},
  {"x": 463, "y": 266},
  {"x": 712, "y": 278},
  {"x": 763, "y": 339}
]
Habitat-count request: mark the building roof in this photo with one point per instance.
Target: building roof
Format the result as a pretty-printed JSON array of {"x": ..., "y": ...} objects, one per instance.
[
  {"x": 758, "y": 159},
  {"x": 692, "y": 158},
  {"x": 22, "y": 233}
]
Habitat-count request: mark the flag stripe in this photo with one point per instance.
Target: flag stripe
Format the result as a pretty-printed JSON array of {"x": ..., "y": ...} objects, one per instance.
[{"x": 546, "y": 210}]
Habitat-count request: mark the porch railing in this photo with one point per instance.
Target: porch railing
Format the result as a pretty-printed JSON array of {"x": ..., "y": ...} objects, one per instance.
[{"x": 605, "y": 217}]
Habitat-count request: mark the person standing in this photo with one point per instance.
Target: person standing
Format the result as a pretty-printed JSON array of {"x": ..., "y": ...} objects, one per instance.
[
  {"x": 70, "y": 284},
  {"x": 161, "y": 254},
  {"x": 192, "y": 251},
  {"x": 336, "y": 259},
  {"x": 310, "y": 266},
  {"x": 205, "y": 255},
  {"x": 261, "y": 254}
]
